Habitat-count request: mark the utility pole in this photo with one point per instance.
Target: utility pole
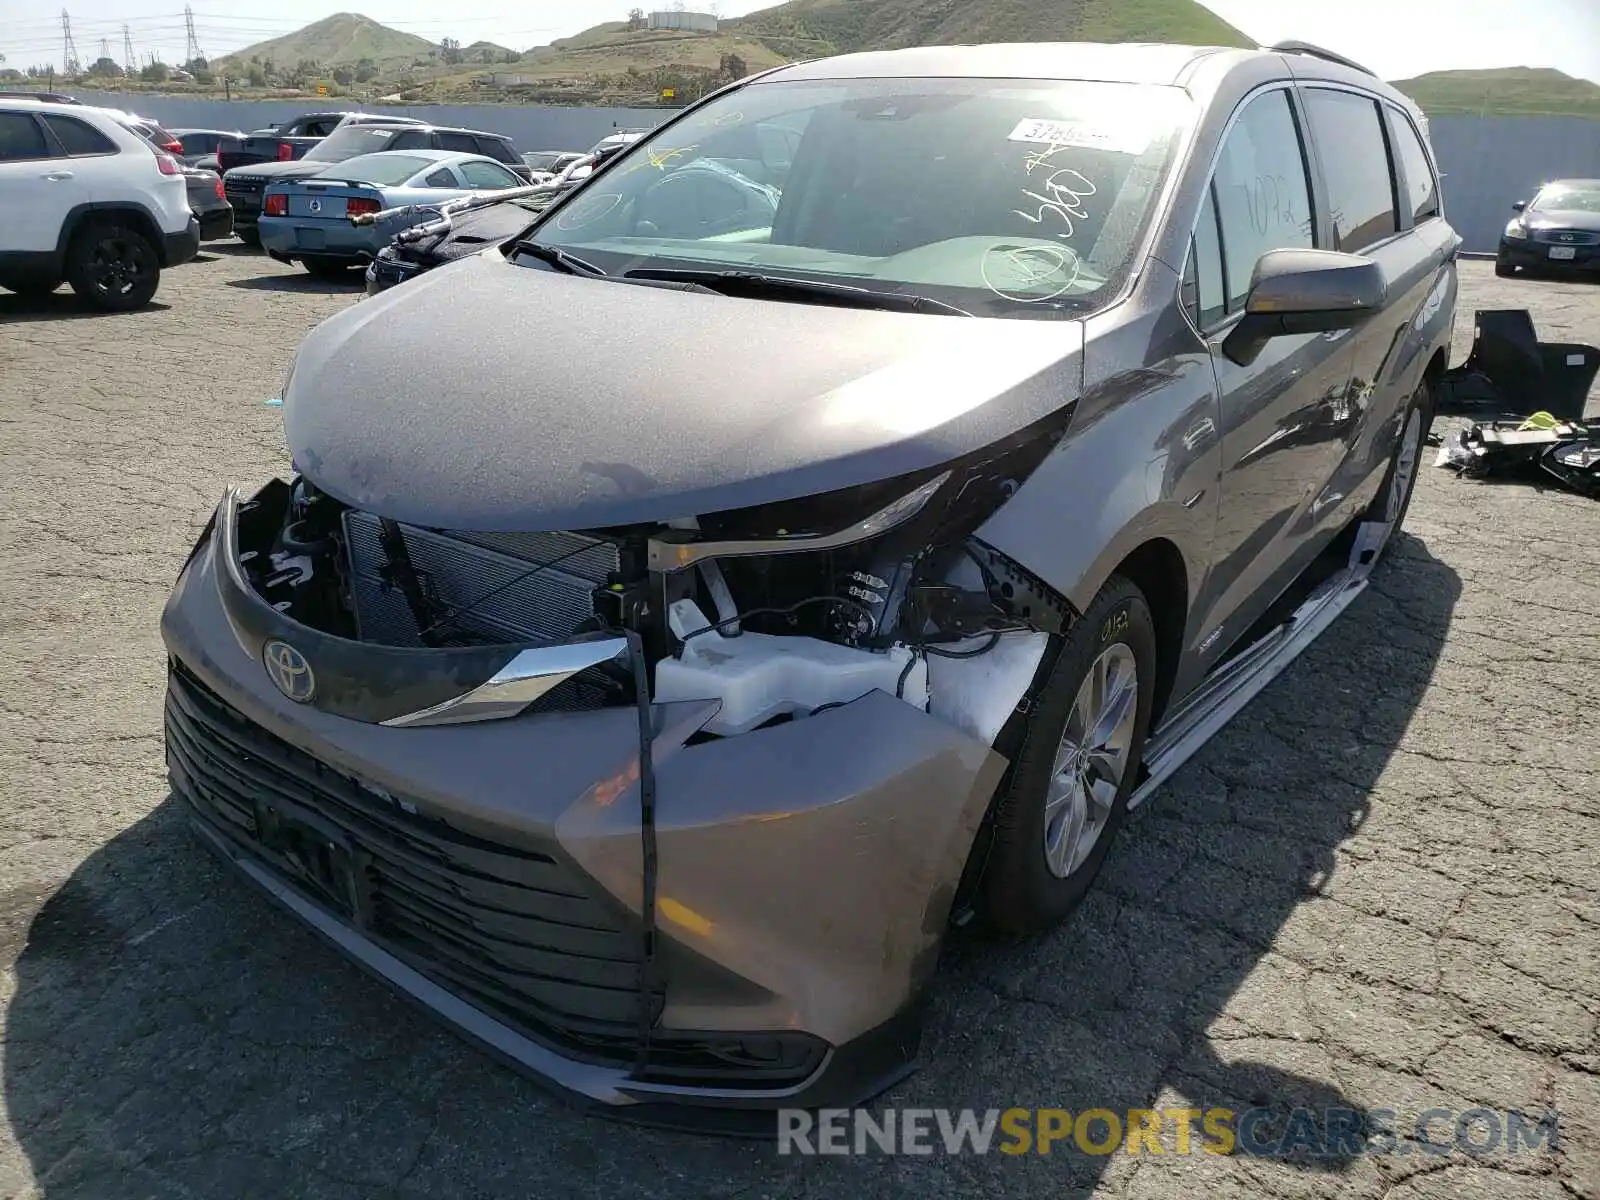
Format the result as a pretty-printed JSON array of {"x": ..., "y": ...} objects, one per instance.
[
  {"x": 129, "y": 62},
  {"x": 69, "y": 48},
  {"x": 192, "y": 51}
]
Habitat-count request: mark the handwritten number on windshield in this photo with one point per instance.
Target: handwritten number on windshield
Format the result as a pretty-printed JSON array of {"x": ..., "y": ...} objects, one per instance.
[{"x": 1060, "y": 196}]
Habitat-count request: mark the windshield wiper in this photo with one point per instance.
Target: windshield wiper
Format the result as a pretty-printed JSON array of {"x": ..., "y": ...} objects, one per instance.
[
  {"x": 558, "y": 258},
  {"x": 753, "y": 284}
]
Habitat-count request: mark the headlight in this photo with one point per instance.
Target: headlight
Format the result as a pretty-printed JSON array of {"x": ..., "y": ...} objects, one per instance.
[{"x": 1517, "y": 230}]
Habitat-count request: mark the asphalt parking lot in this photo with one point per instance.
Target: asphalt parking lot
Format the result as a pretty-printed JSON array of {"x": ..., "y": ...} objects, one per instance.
[{"x": 1376, "y": 890}]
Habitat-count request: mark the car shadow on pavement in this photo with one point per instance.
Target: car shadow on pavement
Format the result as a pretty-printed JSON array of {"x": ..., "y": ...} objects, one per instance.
[
  {"x": 301, "y": 283},
  {"x": 233, "y": 249},
  {"x": 173, "y": 1034},
  {"x": 61, "y": 305}
]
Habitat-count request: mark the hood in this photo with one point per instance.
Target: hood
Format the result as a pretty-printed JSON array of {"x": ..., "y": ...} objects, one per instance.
[
  {"x": 470, "y": 234},
  {"x": 298, "y": 168},
  {"x": 1562, "y": 218},
  {"x": 489, "y": 396}
]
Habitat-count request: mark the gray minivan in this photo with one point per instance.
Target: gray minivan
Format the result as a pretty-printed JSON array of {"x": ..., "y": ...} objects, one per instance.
[{"x": 650, "y": 714}]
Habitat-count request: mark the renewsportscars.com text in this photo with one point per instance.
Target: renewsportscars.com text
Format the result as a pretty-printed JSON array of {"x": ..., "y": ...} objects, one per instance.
[{"x": 1259, "y": 1132}]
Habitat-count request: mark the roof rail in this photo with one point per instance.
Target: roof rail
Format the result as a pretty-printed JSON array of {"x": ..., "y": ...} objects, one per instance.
[{"x": 1311, "y": 51}]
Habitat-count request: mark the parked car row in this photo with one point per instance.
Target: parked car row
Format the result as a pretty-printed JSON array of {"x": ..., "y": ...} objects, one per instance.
[
  {"x": 293, "y": 191},
  {"x": 92, "y": 198}
]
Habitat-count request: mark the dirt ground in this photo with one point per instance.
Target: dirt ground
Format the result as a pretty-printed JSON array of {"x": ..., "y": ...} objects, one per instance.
[{"x": 1375, "y": 890}]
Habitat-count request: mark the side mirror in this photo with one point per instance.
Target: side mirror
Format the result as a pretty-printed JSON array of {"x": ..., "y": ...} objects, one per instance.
[
  {"x": 1305, "y": 291},
  {"x": 1519, "y": 206}
]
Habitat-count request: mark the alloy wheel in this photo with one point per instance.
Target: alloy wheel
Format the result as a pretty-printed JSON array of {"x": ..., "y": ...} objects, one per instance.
[
  {"x": 116, "y": 265},
  {"x": 1405, "y": 466},
  {"x": 1092, "y": 760}
]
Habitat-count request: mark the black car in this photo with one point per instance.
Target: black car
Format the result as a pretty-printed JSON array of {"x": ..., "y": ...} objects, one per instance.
[
  {"x": 1558, "y": 229},
  {"x": 245, "y": 185},
  {"x": 491, "y": 224},
  {"x": 470, "y": 232},
  {"x": 208, "y": 203}
]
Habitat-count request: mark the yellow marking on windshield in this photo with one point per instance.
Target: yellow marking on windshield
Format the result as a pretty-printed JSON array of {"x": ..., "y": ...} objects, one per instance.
[{"x": 660, "y": 158}]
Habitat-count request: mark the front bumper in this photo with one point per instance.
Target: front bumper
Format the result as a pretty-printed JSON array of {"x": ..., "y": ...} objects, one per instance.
[
  {"x": 386, "y": 270},
  {"x": 1535, "y": 255},
  {"x": 492, "y": 871}
]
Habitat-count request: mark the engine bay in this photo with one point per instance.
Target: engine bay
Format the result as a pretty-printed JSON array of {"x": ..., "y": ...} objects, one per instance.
[{"x": 778, "y": 612}]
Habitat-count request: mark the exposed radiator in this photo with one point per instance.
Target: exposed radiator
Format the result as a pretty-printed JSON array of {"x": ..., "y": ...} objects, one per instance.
[{"x": 459, "y": 568}]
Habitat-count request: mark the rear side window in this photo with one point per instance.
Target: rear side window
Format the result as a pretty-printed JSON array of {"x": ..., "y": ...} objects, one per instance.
[
  {"x": 442, "y": 178},
  {"x": 1262, "y": 192},
  {"x": 79, "y": 138},
  {"x": 487, "y": 175},
  {"x": 21, "y": 137},
  {"x": 411, "y": 139},
  {"x": 458, "y": 141},
  {"x": 1355, "y": 159},
  {"x": 1422, "y": 187},
  {"x": 496, "y": 149}
]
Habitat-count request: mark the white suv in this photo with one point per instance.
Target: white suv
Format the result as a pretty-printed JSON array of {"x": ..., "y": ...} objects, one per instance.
[{"x": 85, "y": 199}]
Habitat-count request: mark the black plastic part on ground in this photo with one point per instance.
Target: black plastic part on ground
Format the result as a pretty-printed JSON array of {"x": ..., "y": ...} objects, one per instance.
[{"x": 1510, "y": 372}]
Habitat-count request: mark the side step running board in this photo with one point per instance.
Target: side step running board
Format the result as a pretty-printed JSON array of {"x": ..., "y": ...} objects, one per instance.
[{"x": 1242, "y": 678}]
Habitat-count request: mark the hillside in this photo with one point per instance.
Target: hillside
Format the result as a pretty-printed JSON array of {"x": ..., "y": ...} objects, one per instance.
[
  {"x": 343, "y": 39},
  {"x": 815, "y": 27},
  {"x": 1508, "y": 90},
  {"x": 614, "y": 49}
]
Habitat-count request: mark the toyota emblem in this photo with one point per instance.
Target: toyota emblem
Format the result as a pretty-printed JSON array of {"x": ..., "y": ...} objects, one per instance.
[
  {"x": 289, "y": 671},
  {"x": 316, "y": 206}
]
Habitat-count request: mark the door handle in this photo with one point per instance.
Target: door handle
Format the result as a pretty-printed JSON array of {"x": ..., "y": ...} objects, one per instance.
[{"x": 58, "y": 176}]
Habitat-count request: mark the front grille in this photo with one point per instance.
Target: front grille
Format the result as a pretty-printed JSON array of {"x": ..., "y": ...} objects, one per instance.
[
  {"x": 244, "y": 194},
  {"x": 460, "y": 569},
  {"x": 1567, "y": 237},
  {"x": 516, "y": 932}
]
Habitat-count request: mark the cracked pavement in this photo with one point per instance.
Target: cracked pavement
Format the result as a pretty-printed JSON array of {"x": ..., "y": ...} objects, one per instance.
[{"x": 1375, "y": 889}]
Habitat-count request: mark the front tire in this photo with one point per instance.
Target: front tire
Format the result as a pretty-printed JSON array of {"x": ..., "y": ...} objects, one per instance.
[
  {"x": 113, "y": 266},
  {"x": 1504, "y": 269},
  {"x": 1393, "y": 500},
  {"x": 1079, "y": 763}
]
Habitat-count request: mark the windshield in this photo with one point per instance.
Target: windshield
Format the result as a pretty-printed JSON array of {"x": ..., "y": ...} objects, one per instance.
[
  {"x": 351, "y": 141},
  {"x": 1001, "y": 197},
  {"x": 1572, "y": 197},
  {"x": 384, "y": 170}
]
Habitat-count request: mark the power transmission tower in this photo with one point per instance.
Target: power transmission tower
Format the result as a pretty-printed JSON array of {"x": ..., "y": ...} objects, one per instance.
[
  {"x": 192, "y": 51},
  {"x": 128, "y": 60},
  {"x": 69, "y": 48},
  {"x": 105, "y": 47}
]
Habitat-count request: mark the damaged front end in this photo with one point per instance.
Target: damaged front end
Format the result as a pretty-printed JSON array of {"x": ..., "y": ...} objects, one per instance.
[{"x": 671, "y": 814}]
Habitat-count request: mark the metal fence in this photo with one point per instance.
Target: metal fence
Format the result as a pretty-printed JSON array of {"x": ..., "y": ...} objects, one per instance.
[
  {"x": 1491, "y": 162},
  {"x": 545, "y": 127},
  {"x": 1488, "y": 162}
]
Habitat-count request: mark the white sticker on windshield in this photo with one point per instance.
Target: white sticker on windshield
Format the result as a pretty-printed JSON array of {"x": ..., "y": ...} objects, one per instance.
[{"x": 1072, "y": 133}]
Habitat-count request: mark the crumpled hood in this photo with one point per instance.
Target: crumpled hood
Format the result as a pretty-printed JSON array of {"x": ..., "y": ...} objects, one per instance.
[{"x": 489, "y": 396}]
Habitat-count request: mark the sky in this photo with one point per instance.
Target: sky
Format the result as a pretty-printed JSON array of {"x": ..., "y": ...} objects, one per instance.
[{"x": 1396, "y": 38}]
